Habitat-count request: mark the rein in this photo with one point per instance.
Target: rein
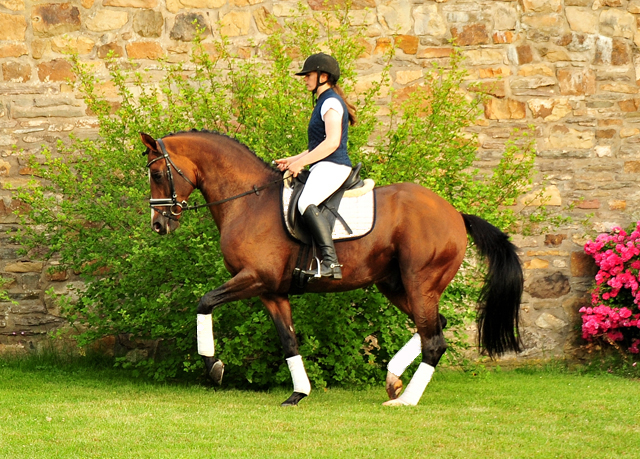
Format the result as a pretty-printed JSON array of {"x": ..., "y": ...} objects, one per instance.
[{"x": 176, "y": 207}]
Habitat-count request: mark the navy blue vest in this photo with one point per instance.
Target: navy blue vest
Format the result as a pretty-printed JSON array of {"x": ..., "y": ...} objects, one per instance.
[{"x": 317, "y": 132}]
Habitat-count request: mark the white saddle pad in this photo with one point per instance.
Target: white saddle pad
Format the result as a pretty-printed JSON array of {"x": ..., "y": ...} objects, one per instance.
[{"x": 357, "y": 207}]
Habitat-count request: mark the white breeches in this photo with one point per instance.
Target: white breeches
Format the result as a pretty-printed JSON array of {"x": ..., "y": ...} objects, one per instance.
[{"x": 325, "y": 178}]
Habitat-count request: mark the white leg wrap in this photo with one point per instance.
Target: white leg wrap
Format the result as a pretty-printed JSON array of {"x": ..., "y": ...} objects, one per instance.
[
  {"x": 299, "y": 375},
  {"x": 205, "y": 335},
  {"x": 405, "y": 356},
  {"x": 417, "y": 385}
]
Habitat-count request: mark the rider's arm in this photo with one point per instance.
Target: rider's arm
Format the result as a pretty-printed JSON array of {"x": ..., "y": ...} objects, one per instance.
[{"x": 333, "y": 130}]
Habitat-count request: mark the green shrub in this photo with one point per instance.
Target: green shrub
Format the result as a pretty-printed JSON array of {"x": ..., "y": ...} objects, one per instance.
[{"x": 92, "y": 212}]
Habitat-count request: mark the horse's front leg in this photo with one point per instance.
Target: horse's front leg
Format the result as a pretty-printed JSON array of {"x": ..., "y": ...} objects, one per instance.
[
  {"x": 280, "y": 310},
  {"x": 242, "y": 286}
]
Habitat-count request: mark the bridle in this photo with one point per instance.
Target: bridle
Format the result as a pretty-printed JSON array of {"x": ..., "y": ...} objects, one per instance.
[{"x": 177, "y": 207}]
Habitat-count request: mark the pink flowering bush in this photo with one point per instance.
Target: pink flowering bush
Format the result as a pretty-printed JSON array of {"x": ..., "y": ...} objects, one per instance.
[{"x": 614, "y": 314}]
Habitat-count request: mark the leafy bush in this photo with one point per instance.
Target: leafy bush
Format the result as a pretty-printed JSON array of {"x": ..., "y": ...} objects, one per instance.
[
  {"x": 615, "y": 315},
  {"x": 92, "y": 214}
]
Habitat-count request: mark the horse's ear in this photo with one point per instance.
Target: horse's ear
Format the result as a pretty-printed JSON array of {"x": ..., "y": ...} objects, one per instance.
[{"x": 149, "y": 141}]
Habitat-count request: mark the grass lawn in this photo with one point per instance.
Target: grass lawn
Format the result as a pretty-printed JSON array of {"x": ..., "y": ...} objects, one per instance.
[{"x": 85, "y": 413}]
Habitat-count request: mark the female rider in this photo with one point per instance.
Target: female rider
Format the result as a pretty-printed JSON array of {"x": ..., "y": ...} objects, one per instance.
[{"x": 326, "y": 154}]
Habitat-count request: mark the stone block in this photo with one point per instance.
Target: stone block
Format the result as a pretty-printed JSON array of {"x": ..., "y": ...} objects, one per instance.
[
  {"x": 612, "y": 51},
  {"x": 395, "y": 16},
  {"x": 542, "y": 6},
  {"x": 106, "y": 20},
  {"x": 12, "y": 27},
  {"x": 185, "y": 25},
  {"x": 13, "y": 5},
  {"x": 617, "y": 23},
  {"x": 407, "y": 76},
  {"x": 492, "y": 88},
  {"x": 144, "y": 50},
  {"x": 582, "y": 19},
  {"x": 536, "y": 263},
  {"x": 131, "y": 3},
  {"x": 503, "y": 36},
  {"x": 494, "y": 72},
  {"x": 148, "y": 23},
  {"x": 56, "y": 70},
  {"x": 533, "y": 82},
  {"x": 434, "y": 53},
  {"x": 550, "y": 196},
  {"x": 632, "y": 167},
  {"x": 470, "y": 35},
  {"x": 383, "y": 45},
  {"x": 65, "y": 45},
  {"x": 566, "y": 138},
  {"x": 546, "y": 24},
  {"x": 555, "y": 285},
  {"x": 51, "y": 19},
  {"x": 16, "y": 72},
  {"x": 628, "y": 132},
  {"x": 505, "y": 16},
  {"x": 554, "y": 240},
  {"x": 24, "y": 267},
  {"x": 588, "y": 204},
  {"x": 623, "y": 88},
  {"x": 617, "y": 204},
  {"x": 13, "y": 50},
  {"x": 113, "y": 48},
  {"x": 550, "y": 322},
  {"x": 577, "y": 42},
  {"x": 605, "y": 133},
  {"x": 504, "y": 109},
  {"x": 235, "y": 23},
  {"x": 583, "y": 265},
  {"x": 429, "y": 21},
  {"x": 484, "y": 57},
  {"x": 324, "y": 5},
  {"x": 576, "y": 82},
  {"x": 407, "y": 43},
  {"x": 550, "y": 109},
  {"x": 265, "y": 21}
]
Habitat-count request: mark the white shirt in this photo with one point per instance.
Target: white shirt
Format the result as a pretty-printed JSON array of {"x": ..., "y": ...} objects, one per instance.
[{"x": 331, "y": 103}]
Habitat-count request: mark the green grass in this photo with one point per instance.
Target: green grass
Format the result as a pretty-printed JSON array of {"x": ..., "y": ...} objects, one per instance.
[{"x": 82, "y": 412}]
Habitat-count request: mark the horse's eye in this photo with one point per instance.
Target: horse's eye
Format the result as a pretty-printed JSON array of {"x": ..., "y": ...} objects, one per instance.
[{"x": 157, "y": 176}]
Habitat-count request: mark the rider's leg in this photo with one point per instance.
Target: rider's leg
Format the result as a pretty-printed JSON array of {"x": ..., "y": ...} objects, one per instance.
[{"x": 325, "y": 178}]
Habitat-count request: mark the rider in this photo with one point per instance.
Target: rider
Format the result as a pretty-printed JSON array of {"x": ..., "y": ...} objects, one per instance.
[{"x": 326, "y": 153}]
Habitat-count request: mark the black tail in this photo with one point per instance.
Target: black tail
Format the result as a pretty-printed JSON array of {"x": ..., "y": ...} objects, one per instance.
[{"x": 499, "y": 303}]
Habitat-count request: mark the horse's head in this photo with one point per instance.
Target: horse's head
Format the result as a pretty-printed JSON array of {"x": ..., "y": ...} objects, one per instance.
[{"x": 172, "y": 180}]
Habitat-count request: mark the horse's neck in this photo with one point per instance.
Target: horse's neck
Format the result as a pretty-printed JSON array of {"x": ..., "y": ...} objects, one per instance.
[{"x": 227, "y": 173}]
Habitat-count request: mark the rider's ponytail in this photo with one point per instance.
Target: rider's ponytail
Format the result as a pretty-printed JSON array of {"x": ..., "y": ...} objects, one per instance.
[{"x": 350, "y": 107}]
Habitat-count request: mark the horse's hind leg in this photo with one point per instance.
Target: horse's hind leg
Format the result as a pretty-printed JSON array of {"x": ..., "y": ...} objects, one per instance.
[
  {"x": 424, "y": 308},
  {"x": 405, "y": 356},
  {"x": 280, "y": 310}
]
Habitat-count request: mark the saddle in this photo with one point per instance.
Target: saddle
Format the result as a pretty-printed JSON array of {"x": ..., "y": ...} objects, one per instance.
[{"x": 328, "y": 208}]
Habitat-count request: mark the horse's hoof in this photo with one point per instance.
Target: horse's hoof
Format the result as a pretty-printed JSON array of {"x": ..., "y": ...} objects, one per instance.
[
  {"x": 215, "y": 369},
  {"x": 395, "y": 402},
  {"x": 393, "y": 386},
  {"x": 294, "y": 399}
]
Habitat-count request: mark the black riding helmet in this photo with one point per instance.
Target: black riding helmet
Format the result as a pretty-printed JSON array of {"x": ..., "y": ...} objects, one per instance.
[{"x": 321, "y": 63}]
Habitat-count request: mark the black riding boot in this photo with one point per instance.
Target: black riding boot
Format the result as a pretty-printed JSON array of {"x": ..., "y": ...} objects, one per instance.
[{"x": 321, "y": 232}]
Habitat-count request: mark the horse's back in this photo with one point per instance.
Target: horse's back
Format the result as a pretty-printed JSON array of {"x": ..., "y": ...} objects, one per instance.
[{"x": 422, "y": 222}]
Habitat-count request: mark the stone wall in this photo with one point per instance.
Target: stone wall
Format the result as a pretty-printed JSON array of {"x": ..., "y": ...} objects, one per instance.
[{"x": 570, "y": 68}]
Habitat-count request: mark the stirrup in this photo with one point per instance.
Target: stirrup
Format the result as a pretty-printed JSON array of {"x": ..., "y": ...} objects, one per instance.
[{"x": 331, "y": 271}]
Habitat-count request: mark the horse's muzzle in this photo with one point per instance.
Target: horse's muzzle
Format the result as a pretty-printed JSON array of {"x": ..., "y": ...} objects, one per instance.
[{"x": 163, "y": 225}]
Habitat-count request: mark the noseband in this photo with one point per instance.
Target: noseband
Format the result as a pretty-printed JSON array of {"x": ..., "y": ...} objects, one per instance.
[{"x": 177, "y": 207}]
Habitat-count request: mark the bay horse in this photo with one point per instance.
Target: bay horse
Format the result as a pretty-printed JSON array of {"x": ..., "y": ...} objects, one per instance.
[{"x": 411, "y": 255}]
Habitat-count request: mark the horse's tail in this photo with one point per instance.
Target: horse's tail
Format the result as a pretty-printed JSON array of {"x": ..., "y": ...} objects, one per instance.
[{"x": 499, "y": 303}]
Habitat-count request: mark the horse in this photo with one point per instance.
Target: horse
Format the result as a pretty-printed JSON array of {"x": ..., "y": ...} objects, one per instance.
[{"x": 412, "y": 253}]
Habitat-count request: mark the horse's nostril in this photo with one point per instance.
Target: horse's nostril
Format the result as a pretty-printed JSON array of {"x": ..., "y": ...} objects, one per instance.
[{"x": 157, "y": 227}]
